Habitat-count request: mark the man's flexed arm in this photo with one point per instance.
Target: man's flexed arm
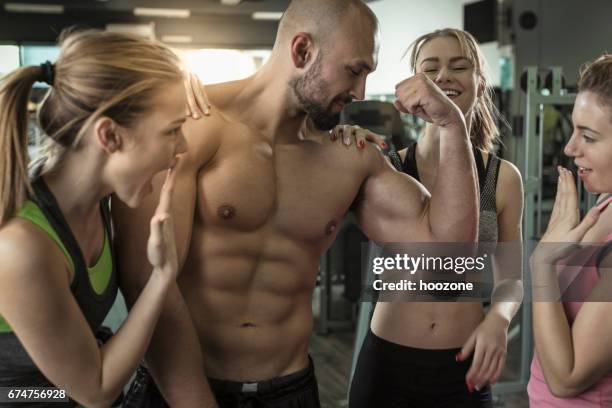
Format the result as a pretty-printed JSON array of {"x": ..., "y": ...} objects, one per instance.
[
  {"x": 394, "y": 207},
  {"x": 174, "y": 356}
]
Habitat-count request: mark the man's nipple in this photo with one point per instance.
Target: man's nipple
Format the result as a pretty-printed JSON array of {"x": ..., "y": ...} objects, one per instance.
[
  {"x": 226, "y": 212},
  {"x": 330, "y": 228}
]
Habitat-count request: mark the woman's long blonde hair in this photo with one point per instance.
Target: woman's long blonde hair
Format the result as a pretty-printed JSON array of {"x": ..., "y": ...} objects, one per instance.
[{"x": 96, "y": 74}]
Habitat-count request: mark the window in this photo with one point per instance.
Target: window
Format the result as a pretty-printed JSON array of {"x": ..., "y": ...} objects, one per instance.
[
  {"x": 220, "y": 65},
  {"x": 9, "y": 59}
]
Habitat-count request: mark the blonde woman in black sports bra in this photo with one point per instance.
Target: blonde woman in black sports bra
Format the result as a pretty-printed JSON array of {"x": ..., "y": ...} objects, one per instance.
[{"x": 447, "y": 353}]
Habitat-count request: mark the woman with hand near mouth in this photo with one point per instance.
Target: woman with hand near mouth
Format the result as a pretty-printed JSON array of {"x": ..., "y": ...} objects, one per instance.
[
  {"x": 572, "y": 364},
  {"x": 112, "y": 116},
  {"x": 430, "y": 354}
]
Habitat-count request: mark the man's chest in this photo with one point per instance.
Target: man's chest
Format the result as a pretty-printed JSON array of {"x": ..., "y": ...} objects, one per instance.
[{"x": 298, "y": 191}]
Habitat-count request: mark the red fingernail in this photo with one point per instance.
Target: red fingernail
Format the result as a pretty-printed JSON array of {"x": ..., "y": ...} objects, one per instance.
[
  {"x": 470, "y": 387},
  {"x": 333, "y": 137},
  {"x": 361, "y": 144},
  {"x": 384, "y": 145}
]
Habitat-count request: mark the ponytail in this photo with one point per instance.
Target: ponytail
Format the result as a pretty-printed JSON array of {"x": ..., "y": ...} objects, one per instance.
[{"x": 14, "y": 183}]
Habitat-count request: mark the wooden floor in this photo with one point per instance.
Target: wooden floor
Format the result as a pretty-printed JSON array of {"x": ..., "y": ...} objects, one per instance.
[{"x": 333, "y": 353}]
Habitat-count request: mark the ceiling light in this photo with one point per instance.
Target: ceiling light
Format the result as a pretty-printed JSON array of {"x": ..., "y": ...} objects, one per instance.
[
  {"x": 230, "y": 2},
  {"x": 267, "y": 15},
  {"x": 34, "y": 8},
  {"x": 162, "y": 12},
  {"x": 142, "y": 30},
  {"x": 177, "y": 39}
]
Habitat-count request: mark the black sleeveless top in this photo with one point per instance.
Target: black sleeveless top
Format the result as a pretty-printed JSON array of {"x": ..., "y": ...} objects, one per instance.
[{"x": 16, "y": 367}]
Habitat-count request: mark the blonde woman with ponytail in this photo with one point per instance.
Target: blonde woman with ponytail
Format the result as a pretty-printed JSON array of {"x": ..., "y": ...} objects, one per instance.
[
  {"x": 112, "y": 116},
  {"x": 447, "y": 353}
]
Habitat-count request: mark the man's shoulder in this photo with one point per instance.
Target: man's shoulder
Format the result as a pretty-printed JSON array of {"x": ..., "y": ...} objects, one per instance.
[
  {"x": 361, "y": 162},
  {"x": 372, "y": 160},
  {"x": 203, "y": 139},
  {"x": 222, "y": 94},
  {"x": 205, "y": 135},
  {"x": 368, "y": 157}
]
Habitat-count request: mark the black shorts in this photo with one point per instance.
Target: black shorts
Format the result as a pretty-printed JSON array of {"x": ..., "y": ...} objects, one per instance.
[
  {"x": 394, "y": 376},
  {"x": 297, "y": 390}
]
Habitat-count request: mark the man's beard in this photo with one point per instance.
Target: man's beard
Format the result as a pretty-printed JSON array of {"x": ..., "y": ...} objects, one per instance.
[{"x": 306, "y": 89}]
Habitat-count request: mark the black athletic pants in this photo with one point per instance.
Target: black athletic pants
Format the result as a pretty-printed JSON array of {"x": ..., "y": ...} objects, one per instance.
[
  {"x": 390, "y": 375},
  {"x": 297, "y": 390}
]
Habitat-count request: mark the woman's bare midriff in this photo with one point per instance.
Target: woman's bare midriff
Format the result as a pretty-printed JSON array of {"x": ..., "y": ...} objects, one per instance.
[{"x": 427, "y": 325}]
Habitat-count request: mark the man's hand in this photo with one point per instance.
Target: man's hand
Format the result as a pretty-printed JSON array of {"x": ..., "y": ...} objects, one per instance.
[{"x": 419, "y": 96}]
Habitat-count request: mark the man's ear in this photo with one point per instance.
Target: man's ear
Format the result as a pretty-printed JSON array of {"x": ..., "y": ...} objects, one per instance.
[
  {"x": 107, "y": 135},
  {"x": 301, "y": 49}
]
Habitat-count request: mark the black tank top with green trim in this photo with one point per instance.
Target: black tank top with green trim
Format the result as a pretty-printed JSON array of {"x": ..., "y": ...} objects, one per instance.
[{"x": 94, "y": 289}]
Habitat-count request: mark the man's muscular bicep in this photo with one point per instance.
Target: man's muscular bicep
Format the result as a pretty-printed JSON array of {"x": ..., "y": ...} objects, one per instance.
[{"x": 392, "y": 206}]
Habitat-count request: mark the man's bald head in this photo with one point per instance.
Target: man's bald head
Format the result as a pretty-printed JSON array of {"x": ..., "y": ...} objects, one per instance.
[
  {"x": 325, "y": 49},
  {"x": 321, "y": 18}
]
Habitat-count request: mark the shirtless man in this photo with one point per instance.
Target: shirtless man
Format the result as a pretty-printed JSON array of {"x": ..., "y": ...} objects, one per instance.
[{"x": 258, "y": 201}]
